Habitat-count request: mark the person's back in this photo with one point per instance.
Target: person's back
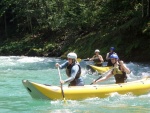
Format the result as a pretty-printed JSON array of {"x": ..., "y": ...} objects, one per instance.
[{"x": 108, "y": 56}]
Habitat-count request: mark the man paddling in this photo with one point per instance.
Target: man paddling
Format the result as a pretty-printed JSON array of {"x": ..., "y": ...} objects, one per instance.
[
  {"x": 119, "y": 70},
  {"x": 112, "y": 51},
  {"x": 73, "y": 70},
  {"x": 97, "y": 58},
  {"x": 98, "y": 61}
]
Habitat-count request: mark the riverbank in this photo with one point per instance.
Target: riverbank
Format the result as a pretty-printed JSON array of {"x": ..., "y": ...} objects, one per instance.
[{"x": 79, "y": 26}]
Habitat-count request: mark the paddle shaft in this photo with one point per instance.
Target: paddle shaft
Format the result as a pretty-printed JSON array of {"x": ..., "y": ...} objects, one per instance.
[
  {"x": 103, "y": 75},
  {"x": 79, "y": 59},
  {"x": 96, "y": 80},
  {"x": 86, "y": 59},
  {"x": 62, "y": 91}
]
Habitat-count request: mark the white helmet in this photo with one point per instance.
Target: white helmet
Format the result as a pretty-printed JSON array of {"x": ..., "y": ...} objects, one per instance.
[
  {"x": 72, "y": 55},
  {"x": 97, "y": 50}
]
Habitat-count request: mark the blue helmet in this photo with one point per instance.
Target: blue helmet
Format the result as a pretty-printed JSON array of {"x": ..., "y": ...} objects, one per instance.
[
  {"x": 112, "y": 48},
  {"x": 114, "y": 56}
]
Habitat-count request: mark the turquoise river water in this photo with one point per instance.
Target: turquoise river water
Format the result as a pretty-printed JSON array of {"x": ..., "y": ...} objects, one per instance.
[{"x": 15, "y": 99}]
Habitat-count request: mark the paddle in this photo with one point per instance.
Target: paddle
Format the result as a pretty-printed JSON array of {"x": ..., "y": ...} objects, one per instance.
[
  {"x": 104, "y": 74},
  {"x": 79, "y": 59},
  {"x": 62, "y": 91},
  {"x": 96, "y": 80}
]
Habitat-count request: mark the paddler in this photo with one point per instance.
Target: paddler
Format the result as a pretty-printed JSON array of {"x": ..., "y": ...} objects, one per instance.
[
  {"x": 97, "y": 58},
  {"x": 73, "y": 70},
  {"x": 119, "y": 71},
  {"x": 112, "y": 51}
]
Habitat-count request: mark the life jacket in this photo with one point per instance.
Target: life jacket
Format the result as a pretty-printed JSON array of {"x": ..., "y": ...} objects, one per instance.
[
  {"x": 68, "y": 72},
  {"x": 109, "y": 61},
  {"x": 119, "y": 75},
  {"x": 97, "y": 61}
]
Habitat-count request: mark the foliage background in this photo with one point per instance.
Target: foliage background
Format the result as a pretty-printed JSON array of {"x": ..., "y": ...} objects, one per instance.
[{"x": 56, "y": 27}]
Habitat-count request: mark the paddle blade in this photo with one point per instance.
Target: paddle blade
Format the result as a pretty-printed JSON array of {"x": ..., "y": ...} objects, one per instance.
[
  {"x": 64, "y": 100},
  {"x": 79, "y": 59}
]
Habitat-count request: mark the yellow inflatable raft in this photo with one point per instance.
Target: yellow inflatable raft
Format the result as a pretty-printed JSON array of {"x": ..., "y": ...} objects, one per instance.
[
  {"x": 100, "y": 69},
  {"x": 41, "y": 91}
]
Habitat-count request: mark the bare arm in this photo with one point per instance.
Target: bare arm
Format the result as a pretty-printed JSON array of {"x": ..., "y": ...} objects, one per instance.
[
  {"x": 107, "y": 56},
  {"x": 104, "y": 78},
  {"x": 92, "y": 58},
  {"x": 101, "y": 58},
  {"x": 124, "y": 67}
]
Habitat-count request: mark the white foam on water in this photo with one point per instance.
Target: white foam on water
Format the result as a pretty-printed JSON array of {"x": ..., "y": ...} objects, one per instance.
[{"x": 30, "y": 59}]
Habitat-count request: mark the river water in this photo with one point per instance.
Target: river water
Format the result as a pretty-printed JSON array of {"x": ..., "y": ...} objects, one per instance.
[{"x": 15, "y": 99}]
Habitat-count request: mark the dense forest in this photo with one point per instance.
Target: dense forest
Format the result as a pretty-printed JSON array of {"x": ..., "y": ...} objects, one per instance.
[{"x": 52, "y": 28}]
